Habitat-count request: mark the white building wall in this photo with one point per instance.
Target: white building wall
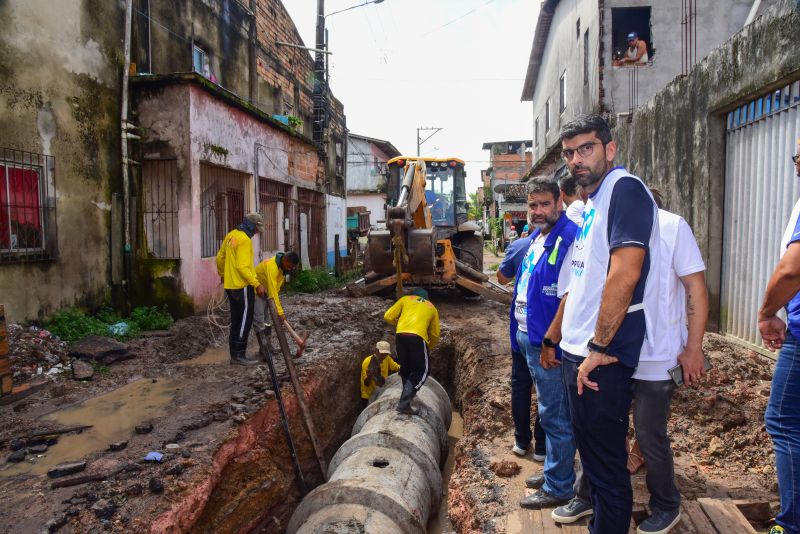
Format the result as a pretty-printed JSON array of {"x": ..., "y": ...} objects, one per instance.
[
  {"x": 564, "y": 51},
  {"x": 375, "y": 203},
  {"x": 336, "y": 210}
]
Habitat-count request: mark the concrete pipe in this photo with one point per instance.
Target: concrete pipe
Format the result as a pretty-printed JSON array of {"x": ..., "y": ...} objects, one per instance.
[{"x": 386, "y": 477}]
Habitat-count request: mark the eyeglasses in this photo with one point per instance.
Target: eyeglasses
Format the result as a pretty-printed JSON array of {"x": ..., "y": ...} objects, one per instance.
[
  {"x": 795, "y": 158},
  {"x": 584, "y": 151}
]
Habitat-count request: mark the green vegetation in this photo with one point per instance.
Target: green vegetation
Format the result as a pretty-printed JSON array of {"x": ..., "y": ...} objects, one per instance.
[
  {"x": 294, "y": 122},
  {"x": 315, "y": 280},
  {"x": 151, "y": 318},
  {"x": 73, "y": 325},
  {"x": 493, "y": 267}
]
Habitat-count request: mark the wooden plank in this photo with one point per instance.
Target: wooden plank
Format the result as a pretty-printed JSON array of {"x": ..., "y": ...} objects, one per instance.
[
  {"x": 579, "y": 527},
  {"x": 693, "y": 520},
  {"x": 298, "y": 388},
  {"x": 523, "y": 521},
  {"x": 6, "y": 385},
  {"x": 548, "y": 525},
  {"x": 757, "y": 511},
  {"x": 725, "y": 516}
]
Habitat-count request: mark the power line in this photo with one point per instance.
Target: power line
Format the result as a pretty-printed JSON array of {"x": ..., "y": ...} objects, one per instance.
[{"x": 468, "y": 13}]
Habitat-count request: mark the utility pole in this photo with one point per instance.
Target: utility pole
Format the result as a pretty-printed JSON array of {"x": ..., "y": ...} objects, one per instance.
[
  {"x": 420, "y": 141},
  {"x": 320, "y": 83}
]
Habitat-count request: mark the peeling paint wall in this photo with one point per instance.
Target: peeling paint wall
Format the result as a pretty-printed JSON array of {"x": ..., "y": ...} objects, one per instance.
[
  {"x": 59, "y": 95},
  {"x": 185, "y": 120},
  {"x": 676, "y": 141}
]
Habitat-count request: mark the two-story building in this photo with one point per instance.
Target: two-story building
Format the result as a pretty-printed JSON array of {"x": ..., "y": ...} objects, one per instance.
[
  {"x": 508, "y": 163},
  {"x": 366, "y": 175},
  {"x": 219, "y": 123},
  {"x": 574, "y": 66}
]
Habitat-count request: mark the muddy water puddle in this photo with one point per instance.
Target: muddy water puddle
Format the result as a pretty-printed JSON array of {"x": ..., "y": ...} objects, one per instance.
[
  {"x": 441, "y": 523},
  {"x": 212, "y": 356},
  {"x": 113, "y": 417}
]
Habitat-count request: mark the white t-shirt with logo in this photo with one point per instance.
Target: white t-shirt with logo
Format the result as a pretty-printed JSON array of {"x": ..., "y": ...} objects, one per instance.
[
  {"x": 679, "y": 256},
  {"x": 575, "y": 212},
  {"x": 535, "y": 251}
]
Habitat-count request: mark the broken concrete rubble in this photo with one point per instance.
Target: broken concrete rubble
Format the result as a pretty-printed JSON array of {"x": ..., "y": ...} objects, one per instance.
[
  {"x": 104, "y": 350},
  {"x": 82, "y": 370},
  {"x": 67, "y": 468}
]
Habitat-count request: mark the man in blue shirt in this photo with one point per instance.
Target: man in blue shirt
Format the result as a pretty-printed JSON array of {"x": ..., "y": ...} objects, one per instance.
[
  {"x": 521, "y": 379},
  {"x": 783, "y": 424},
  {"x": 611, "y": 303},
  {"x": 534, "y": 305}
]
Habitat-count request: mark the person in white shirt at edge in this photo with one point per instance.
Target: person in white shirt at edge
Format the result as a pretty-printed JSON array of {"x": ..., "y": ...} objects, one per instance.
[
  {"x": 679, "y": 340},
  {"x": 572, "y": 195},
  {"x": 602, "y": 323}
]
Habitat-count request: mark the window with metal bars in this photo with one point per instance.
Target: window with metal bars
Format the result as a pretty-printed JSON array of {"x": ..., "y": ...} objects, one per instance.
[
  {"x": 160, "y": 207},
  {"x": 27, "y": 206},
  {"x": 223, "y": 201},
  {"x": 274, "y": 201}
]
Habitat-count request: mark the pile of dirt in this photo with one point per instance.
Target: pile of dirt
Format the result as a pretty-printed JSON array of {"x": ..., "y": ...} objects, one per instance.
[{"x": 719, "y": 424}]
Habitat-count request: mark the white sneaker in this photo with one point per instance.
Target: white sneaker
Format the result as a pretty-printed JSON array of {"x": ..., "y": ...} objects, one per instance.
[
  {"x": 538, "y": 457},
  {"x": 519, "y": 451}
]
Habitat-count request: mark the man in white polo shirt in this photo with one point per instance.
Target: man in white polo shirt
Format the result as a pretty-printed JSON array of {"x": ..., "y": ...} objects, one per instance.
[
  {"x": 681, "y": 323},
  {"x": 603, "y": 321}
]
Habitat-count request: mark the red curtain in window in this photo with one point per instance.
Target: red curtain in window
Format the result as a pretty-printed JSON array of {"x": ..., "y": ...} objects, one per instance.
[{"x": 20, "y": 213}]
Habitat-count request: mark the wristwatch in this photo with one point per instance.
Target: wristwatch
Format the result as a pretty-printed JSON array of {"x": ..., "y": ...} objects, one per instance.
[
  {"x": 594, "y": 347},
  {"x": 547, "y": 342}
]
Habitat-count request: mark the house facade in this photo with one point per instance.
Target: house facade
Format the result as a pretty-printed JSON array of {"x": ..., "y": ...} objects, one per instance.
[
  {"x": 572, "y": 68},
  {"x": 508, "y": 164},
  {"x": 220, "y": 123},
  {"x": 366, "y": 175}
]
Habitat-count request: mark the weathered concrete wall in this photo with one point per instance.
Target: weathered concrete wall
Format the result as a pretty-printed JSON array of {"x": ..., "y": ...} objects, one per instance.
[
  {"x": 365, "y": 164},
  {"x": 716, "y": 22},
  {"x": 190, "y": 122},
  {"x": 676, "y": 141},
  {"x": 220, "y": 27},
  {"x": 564, "y": 51},
  {"x": 59, "y": 96},
  {"x": 375, "y": 204}
]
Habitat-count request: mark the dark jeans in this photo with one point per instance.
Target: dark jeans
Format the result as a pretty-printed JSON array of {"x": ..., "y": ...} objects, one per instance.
[
  {"x": 521, "y": 384},
  {"x": 783, "y": 426},
  {"x": 650, "y": 414},
  {"x": 600, "y": 426},
  {"x": 412, "y": 355},
  {"x": 241, "y": 302},
  {"x": 651, "y": 402}
]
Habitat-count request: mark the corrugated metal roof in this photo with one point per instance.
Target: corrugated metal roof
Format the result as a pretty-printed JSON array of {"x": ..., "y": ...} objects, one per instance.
[{"x": 537, "y": 50}]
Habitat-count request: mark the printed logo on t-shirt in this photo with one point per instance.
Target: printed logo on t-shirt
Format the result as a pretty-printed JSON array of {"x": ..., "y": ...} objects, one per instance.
[
  {"x": 551, "y": 290},
  {"x": 583, "y": 231}
]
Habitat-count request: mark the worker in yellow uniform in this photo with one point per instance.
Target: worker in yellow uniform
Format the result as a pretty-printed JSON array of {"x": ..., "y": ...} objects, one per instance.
[
  {"x": 417, "y": 329},
  {"x": 235, "y": 268},
  {"x": 271, "y": 273},
  {"x": 375, "y": 369}
]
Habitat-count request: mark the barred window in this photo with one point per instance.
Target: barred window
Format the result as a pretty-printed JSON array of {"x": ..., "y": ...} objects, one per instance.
[
  {"x": 27, "y": 206},
  {"x": 223, "y": 200}
]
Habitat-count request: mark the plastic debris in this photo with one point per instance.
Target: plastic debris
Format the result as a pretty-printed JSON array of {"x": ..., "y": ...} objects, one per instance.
[
  {"x": 119, "y": 329},
  {"x": 153, "y": 456}
]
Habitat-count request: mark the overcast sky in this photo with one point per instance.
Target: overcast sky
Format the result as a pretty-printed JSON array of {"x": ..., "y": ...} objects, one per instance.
[{"x": 454, "y": 64}]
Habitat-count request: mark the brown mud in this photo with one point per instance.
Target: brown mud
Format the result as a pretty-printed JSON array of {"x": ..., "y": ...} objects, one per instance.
[{"x": 228, "y": 468}]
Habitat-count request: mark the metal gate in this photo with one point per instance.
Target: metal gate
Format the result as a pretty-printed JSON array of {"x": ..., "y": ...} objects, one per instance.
[
  {"x": 761, "y": 188},
  {"x": 274, "y": 206},
  {"x": 312, "y": 204}
]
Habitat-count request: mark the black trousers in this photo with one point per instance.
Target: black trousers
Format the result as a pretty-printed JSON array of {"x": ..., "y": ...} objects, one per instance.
[
  {"x": 600, "y": 426},
  {"x": 241, "y": 302},
  {"x": 412, "y": 355}
]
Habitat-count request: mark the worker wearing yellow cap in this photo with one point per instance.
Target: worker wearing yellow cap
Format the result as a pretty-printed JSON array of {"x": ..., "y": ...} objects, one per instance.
[{"x": 375, "y": 369}]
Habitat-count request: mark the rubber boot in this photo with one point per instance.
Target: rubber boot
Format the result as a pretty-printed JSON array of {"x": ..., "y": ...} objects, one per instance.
[
  {"x": 404, "y": 406},
  {"x": 239, "y": 358}
]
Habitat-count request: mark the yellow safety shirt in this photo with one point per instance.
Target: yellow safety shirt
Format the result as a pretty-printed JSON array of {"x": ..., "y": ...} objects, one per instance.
[
  {"x": 235, "y": 261},
  {"x": 415, "y": 315},
  {"x": 271, "y": 276},
  {"x": 387, "y": 365}
]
